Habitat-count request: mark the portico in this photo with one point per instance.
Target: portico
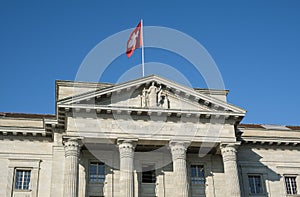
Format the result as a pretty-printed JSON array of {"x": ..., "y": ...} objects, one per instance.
[
  {"x": 150, "y": 112},
  {"x": 128, "y": 171}
]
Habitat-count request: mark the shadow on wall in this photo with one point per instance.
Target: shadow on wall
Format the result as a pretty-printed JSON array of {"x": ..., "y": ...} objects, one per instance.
[{"x": 254, "y": 175}]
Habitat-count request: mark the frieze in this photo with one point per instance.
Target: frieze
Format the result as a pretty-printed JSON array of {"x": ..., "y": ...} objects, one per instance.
[{"x": 110, "y": 127}]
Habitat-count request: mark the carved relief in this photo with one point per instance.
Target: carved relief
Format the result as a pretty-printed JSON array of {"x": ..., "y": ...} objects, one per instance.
[{"x": 155, "y": 97}]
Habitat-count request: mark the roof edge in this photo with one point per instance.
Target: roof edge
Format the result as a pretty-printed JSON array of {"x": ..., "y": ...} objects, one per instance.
[{"x": 26, "y": 115}]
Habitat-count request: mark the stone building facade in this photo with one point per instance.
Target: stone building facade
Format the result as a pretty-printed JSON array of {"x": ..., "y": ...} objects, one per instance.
[{"x": 149, "y": 137}]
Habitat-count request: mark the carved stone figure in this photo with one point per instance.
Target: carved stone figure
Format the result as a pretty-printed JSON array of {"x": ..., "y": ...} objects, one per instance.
[
  {"x": 163, "y": 100},
  {"x": 144, "y": 98},
  {"x": 152, "y": 95}
]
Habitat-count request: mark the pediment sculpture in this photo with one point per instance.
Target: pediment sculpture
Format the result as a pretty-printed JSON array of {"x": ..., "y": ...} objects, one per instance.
[{"x": 154, "y": 97}]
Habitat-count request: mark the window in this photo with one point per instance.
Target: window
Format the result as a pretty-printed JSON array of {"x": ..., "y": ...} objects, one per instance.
[
  {"x": 197, "y": 174},
  {"x": 97, "y": 172},
  {"x": 22, "y": 179},
  {"x": 290, "y": 184},
  {"x": 148, "y": 174},
  {"x": 255, "y": 184}
]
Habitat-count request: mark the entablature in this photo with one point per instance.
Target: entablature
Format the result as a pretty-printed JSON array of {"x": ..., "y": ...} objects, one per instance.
[
  {"x": 27, "y": 125},
  {"x": 262, "y": 135}
]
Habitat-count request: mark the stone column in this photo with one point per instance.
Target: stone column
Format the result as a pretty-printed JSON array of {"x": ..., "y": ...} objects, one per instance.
[
  {"x": 178, "y": 150},
  {"x": 126, "y": 149},
  {"x": 72, "y": 149},
  {"x": 231, "y": 170}
]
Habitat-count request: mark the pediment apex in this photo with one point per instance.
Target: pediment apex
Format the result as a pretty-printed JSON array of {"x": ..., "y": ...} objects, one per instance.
[{"x": 151, "y": 84}]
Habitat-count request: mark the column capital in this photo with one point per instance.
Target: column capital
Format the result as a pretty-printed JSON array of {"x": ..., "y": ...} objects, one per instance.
[
  {"x": 72, "y": 146},
  {"x": 126, "y": 147},
  {"x": 178, "y": 149},
  {"x": 228, "y": 151},
  {"x": 72, "y": 139},
  {"x": 229, "y": 147},
  {"x": 179, "y": 143},
  {"x": 230, "y": 144},
  {"x": 132, "y": 141}
]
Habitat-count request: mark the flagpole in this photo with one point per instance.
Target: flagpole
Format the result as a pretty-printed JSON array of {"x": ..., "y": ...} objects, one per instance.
[{"x": 143, "y": 64}]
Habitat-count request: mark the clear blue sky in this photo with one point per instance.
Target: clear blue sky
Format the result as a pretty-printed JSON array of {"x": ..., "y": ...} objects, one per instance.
[{"x": 256, "y": 45}]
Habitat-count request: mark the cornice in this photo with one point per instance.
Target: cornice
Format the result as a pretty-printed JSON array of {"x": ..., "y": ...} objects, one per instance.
[
  {"x": 270, "y": 140},
  {"x": 31, "y": 132},
  {"x": 98, "y": 108}
]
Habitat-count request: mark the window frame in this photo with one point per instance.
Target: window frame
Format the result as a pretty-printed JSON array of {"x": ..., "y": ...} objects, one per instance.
[
  {"x": 262, "y": 192},
  {"x": 198, "y": 178},
  {"x": 254, "y": 168},
  {"x": 293, "y": 192},
  {"x": 22, "y": 163},
  {"x": 98, "y": 180},
  {"x": 23, "y": 177}
]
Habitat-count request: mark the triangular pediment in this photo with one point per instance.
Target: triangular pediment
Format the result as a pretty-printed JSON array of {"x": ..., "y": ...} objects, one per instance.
[{"x": 153, "y": 93}]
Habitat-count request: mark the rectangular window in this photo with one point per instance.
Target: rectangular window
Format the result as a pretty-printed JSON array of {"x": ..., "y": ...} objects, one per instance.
[
  {"x": 255, "y": 184},
  {"x": 290, "y": 184},
  {"x": 22, "y": 179},
  {"x": 97, "y": 172},
  {"x": 148, "y": 174},
  {"x": 197, "y": 174}
]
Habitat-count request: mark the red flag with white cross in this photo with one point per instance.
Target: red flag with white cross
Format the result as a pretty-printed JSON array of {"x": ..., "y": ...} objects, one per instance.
[{"x": 135, "y": 40}]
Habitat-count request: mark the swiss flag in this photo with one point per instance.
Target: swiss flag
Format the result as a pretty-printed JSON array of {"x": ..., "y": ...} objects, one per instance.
[{"x": 135, "y": 40}]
